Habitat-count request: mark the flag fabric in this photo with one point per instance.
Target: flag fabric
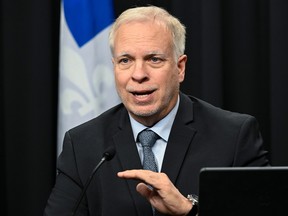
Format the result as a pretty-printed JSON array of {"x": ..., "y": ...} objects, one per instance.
[{"x": 86, "y": 80}]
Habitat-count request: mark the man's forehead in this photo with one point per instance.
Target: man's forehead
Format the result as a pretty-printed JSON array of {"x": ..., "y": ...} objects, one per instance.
[{"x": 148, "y": 53}]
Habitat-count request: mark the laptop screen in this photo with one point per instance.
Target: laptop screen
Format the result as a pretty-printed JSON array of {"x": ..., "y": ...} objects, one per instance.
[{"x": 243, "y": 191}]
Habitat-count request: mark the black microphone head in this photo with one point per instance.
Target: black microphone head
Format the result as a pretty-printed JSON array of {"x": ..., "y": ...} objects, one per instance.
[{"x": 109, "y": 153}]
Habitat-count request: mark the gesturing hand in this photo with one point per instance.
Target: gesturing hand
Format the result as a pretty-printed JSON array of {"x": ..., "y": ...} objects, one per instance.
[{"x": 164, "y": 196}]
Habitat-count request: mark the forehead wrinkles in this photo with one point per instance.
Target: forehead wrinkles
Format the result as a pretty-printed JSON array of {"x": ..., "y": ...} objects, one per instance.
[
  {"x": 144, "y": 38},
  {"x": 131, "y": 39}
]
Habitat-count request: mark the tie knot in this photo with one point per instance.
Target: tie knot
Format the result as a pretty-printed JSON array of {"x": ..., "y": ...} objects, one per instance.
[{"x": 147, "y": 138}]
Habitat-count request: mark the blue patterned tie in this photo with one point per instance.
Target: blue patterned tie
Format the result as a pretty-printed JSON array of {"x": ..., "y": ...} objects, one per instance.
[{"x": 147, "y": 139}]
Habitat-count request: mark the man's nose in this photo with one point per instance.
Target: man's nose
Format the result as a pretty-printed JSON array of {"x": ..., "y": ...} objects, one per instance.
[{"x": 139, "y": 72}]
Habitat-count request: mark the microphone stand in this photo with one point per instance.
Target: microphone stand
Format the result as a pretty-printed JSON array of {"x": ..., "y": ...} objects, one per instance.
[{"x": 108, "y": 155}]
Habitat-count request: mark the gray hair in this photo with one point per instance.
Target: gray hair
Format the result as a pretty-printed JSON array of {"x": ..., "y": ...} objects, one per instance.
[{"x": 152, "y": 13}]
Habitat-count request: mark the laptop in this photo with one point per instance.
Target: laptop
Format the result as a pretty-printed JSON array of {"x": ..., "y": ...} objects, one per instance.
[{"x": 243, "y": 191}]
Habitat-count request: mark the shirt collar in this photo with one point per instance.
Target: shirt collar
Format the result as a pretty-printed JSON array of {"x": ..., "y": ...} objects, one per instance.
[{"x": 162, "y": 128}]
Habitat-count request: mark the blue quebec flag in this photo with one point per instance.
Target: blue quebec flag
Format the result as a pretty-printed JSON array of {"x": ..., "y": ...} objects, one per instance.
[{"x": 86, "y": 81}]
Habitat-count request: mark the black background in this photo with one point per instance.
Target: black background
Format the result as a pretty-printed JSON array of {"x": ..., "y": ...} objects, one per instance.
[{"x": 237, "y": 59}]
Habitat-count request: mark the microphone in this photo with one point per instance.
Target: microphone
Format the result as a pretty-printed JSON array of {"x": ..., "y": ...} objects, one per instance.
[{"x": 107, "y": 156}]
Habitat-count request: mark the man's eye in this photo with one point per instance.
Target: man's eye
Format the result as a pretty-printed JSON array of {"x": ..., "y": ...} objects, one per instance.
[
  {"x": 124, "y": 61},
  {"x": 155, "y": 59}
]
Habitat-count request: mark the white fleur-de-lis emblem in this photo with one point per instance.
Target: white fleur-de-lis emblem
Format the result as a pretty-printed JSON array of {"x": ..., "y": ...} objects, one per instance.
[{"x": 85, "y": 92}]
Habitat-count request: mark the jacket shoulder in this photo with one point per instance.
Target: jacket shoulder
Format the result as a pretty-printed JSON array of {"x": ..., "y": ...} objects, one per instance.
[
  {"x": 109, "y": 118},
  {"x": 208, "y": 115}
]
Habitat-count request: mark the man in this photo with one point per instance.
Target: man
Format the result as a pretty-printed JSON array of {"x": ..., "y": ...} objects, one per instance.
[{"x": 148, "y": 45}]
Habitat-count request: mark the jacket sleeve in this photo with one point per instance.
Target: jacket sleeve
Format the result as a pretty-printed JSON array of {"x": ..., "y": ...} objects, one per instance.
[
  {"x": 249, "y": 149},
  {"x": 68, "y": 185}
]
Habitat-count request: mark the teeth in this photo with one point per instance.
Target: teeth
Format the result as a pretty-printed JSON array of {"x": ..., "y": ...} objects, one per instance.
[{"x": 142, "y": 95}]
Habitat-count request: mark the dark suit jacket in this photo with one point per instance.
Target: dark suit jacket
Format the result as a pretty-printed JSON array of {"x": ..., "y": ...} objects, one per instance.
[{"x": 201, "y": 136}]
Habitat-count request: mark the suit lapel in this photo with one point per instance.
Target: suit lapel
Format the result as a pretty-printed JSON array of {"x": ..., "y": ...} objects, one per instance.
[
  {"x": 180, "y": 139},
  {"x": 127, "y": 153}
]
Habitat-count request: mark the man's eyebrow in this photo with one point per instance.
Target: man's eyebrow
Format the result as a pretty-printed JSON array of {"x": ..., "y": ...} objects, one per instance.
[
  {"x": 155, "y": 53},
  {"x": 124, "y": 54}
]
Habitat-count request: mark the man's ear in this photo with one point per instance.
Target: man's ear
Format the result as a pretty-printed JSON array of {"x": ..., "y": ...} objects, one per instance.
[{"x": 181, "y": 64}]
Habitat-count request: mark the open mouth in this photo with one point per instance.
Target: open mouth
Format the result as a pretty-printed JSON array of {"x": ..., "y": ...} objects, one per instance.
[{"x": 142, "y": 94}]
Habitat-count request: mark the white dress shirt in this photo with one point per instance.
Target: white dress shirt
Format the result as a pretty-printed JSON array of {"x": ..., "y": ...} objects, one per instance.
[{"x": 162, "y": 128}]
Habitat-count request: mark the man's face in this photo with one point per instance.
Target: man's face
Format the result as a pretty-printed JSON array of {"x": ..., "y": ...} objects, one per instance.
[{"x": 146, "y": 73}]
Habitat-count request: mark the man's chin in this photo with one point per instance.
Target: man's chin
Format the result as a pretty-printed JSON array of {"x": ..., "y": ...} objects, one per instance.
[{"x": 144, "y": 113}]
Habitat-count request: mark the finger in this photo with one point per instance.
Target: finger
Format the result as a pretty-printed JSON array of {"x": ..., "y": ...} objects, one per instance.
[
  {"x": 144, "y": 190},
  {"x": 143, "y": 175},
  {"x": 156, "y": 180}
]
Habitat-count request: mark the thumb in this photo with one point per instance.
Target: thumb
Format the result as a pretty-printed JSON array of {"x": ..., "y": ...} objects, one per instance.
[{"x": 144, "y": 190}]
